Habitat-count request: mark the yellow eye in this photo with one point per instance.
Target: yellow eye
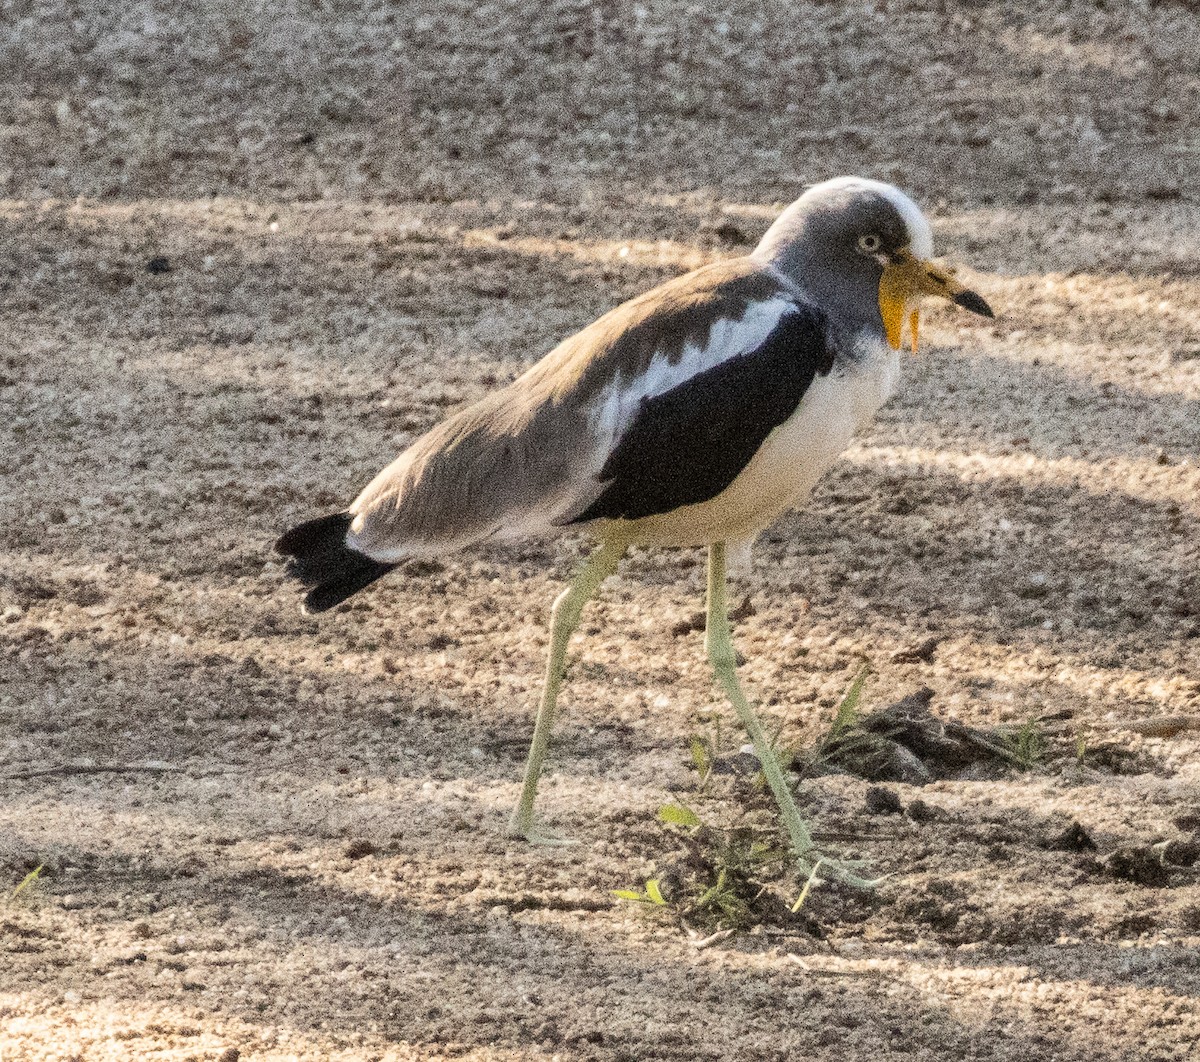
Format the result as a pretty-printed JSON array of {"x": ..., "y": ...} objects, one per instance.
[{"x": 869, "y": 244}]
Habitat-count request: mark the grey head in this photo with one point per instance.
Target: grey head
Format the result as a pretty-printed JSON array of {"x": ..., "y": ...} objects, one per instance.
[{"x": 840, "y": 238}]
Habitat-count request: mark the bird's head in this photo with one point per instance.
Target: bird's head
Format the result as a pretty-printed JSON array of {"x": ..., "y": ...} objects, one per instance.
[{"x": 862, "y": 249}]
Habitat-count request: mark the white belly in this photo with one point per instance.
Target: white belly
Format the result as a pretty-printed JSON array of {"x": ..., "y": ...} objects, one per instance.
[{"x": 788, "y": 464}]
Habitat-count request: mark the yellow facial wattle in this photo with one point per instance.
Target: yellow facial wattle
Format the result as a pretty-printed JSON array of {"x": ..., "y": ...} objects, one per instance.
[{"x": 906, "y": 279}]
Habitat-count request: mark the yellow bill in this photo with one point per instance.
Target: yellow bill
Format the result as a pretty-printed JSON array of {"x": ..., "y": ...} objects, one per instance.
[{"x": 906, "y": 279}]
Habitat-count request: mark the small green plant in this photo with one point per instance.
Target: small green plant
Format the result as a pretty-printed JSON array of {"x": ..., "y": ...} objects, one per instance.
[
  {"x": 706, "y": 750},
  {"x": 846, "y": 715},
  {"x": 732, "y": 877},
  {"x": 649, "y": 894},
  {"x": 702, "y": 758},
  {"x": 678, "y": 815},
  {"x": 1081, "y": 747},
  {"x": 738, "y": 861},
  {"x": 725, "y": 878},
  {"x": 1025, "y": 744},
  {"x": 852, "y": 744},
  {"x": 26, "y": 881}
]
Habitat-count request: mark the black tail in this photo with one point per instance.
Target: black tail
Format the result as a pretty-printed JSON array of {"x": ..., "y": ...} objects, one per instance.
[{"x": 320, "y": 559}]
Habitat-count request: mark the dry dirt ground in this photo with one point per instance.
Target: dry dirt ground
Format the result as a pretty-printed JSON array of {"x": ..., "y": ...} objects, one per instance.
[{"x": 368, "y": 215}]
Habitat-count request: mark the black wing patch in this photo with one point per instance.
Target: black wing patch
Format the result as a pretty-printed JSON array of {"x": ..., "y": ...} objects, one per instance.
[{"x": 688, "y": 444}]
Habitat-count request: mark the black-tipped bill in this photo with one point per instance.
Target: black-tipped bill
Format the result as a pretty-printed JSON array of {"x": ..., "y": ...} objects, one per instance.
[{"x": 969, "y": 300}]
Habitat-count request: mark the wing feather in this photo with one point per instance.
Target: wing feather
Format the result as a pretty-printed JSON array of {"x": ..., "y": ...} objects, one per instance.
[
  {"x": 533, "y": 455},
  {"x": 686, "y": 444}
]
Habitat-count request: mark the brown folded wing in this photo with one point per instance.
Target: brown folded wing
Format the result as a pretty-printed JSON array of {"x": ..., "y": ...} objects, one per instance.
[{"x": 530, "y": 455}]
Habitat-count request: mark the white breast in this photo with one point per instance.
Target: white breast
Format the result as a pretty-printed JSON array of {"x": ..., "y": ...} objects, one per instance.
[{"x": 790, "y": 461}]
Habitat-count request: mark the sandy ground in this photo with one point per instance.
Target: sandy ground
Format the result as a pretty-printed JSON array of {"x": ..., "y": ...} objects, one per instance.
[{"x": 371, "y": 215}]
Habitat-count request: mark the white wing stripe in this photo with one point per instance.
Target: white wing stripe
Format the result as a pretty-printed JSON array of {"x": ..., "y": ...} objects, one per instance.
[{"x": 619, "y": 402}]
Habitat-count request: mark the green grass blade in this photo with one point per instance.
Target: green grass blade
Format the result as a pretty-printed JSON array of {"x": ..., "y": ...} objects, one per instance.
[
  {"x": 812, "y": 880},
  {"x": 846, "y": 714},
  {"x": 653, "y": 892},
  {"x": 29, "y": 879}
]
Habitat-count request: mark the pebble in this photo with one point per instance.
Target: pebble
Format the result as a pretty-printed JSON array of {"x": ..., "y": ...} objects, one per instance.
[
  {"x": 1140, "y": 864},
  {"x": 919, "y": 811},
  {"x": 882, "y": 801}
]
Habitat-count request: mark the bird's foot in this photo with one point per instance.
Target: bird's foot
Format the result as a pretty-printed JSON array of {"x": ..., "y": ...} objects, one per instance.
[{"x": 818, "y": 869}]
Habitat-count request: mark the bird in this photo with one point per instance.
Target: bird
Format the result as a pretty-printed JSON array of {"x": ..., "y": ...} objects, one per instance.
[{"x": 692, "y": 415}]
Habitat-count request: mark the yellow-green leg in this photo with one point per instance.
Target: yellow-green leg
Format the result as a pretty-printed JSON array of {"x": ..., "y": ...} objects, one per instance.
[
  {"x": 568, "y": 607},
  {"x": 719, "y": 644}
]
